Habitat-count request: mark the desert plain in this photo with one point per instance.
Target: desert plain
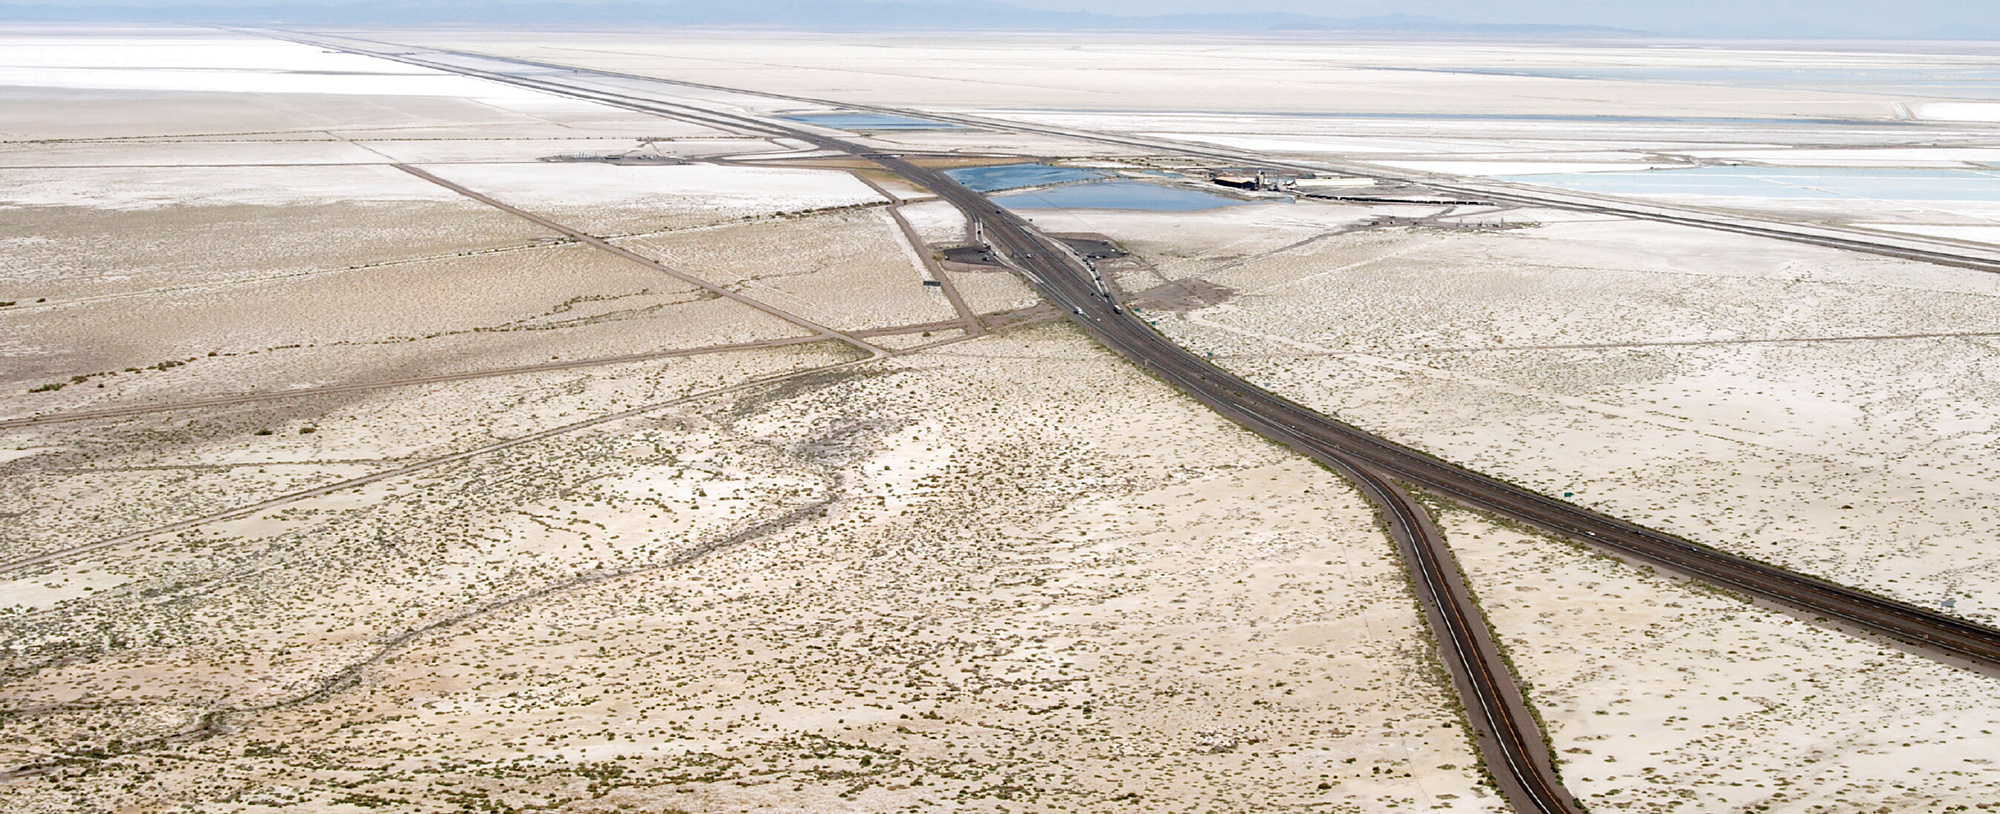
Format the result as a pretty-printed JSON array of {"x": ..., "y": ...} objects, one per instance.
[{"x": 374, "y": 436}]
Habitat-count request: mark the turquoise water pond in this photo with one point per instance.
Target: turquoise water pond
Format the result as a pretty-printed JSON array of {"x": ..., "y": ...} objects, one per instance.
[
  {"x": 1117, "y": 195},
  {"x": 1012, "y": 176}
]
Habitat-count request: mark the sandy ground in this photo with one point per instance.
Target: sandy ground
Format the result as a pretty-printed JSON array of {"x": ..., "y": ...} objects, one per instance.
[
  {"x": 616, "y": 199},
  {"x": 418, "y": 316},
  {"x": 1661, "y": 695},
  {"x": 63, "y": 253},
  {"x": 91, "y": 481},
  {"x": 1211, "y": 625},
  {"x": 1745, "y": 402},
  {"x": 849, "y": 270},
  {"x": 938, "y": 222},
  {"x": 1004, "y": 574},
  {"x": 1723, "y": 389},
  {"x": 878, "y": 586}
]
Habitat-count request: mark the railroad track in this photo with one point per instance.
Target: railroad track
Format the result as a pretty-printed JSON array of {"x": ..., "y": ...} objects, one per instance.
[
  {"x": 1511, "y": 744},
  {"x": 1908, "y": 247}
]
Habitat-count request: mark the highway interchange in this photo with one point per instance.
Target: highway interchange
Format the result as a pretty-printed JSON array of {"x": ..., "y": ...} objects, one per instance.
[{"x": 1510, "y": 741}]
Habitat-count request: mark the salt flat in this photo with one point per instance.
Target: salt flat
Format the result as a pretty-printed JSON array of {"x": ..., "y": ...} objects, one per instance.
[
  {"x": 1707, "y": 704},
  {"x": 1790, "y": 418},
  {"x": 330, "y": 487}
]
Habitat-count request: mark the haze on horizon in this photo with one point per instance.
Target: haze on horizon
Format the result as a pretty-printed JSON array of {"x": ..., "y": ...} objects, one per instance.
[
  {"x": 1866, "y": 19},
  {"x": 919, "y": 405}
]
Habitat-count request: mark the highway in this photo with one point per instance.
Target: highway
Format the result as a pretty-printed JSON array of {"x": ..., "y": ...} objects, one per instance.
[
  {"x": 1903, "y": 246},
  {"x": 1511, "y": 744},
  {"x": 1070, "y": 284},
  {"x": 1051, "y": 264}
]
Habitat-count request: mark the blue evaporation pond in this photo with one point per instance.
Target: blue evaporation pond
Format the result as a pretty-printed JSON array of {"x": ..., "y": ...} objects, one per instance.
[
  {"x": 869, "y": 121},
  {"x": 1785, "y": 182},
  {"x": 1013, "y": 176},
  {"x": 1117, "y": 195}
]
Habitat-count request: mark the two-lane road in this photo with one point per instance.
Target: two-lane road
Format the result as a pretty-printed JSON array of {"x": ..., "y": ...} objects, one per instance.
[
  {"x": 1071, "y": 284},
  {"x": 1510, "y": 742}
]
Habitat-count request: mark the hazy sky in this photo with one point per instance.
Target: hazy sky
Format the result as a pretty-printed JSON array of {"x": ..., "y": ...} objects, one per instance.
[
  {"x": 1640, "y": 14},
  {"x": 1794, "y": 17}
]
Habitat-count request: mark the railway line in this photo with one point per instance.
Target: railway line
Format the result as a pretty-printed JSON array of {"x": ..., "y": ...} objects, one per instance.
[
  {"x": 1512, "y": 746},
  {"x": 1510, "y": 742},
  {"x": 1904, "y": 246},
  {"x": 1302, "y": 427},
  {"x": 1049, "y": 262}
]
